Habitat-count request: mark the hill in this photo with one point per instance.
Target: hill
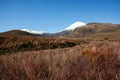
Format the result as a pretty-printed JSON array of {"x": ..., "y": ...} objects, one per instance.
[
  {"x": 96, "y": 30},
  {"x": 14, "y": 33},
  {"x": 90, "y": 30}
]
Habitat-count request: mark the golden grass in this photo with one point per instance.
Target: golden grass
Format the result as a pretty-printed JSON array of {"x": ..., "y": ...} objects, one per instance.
[
  {"x": 93, "y": 61},
  {"x": 27, "y": 43}
]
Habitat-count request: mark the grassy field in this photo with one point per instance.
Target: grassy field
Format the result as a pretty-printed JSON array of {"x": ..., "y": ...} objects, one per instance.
[
  {"x": 30, "y": 43},
  {"x": 96, "y": 60}
]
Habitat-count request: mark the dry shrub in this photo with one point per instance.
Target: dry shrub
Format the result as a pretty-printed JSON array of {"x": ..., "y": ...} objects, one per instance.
[
  {"x": 27, "y": 43},
  {"x": 85, "y": 62}
]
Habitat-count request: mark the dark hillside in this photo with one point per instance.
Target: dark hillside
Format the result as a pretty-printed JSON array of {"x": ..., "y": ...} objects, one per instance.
[{"x": 14, "y": 33}]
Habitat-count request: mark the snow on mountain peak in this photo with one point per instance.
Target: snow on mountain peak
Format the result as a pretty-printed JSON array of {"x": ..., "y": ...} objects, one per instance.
[
  {"x": 75, "y": 25},
  {"x": 33, "y": 31}
]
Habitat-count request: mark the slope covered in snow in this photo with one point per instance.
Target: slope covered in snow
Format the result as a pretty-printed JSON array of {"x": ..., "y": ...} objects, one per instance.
[
  {"x": 33, "y": 31},
  {"x": 71, "y": 27},
  {"x": 75, "y": 25}
]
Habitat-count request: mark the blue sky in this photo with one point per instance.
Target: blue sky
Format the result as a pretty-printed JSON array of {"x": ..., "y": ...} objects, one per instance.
[{"x": 55, "y": 15}]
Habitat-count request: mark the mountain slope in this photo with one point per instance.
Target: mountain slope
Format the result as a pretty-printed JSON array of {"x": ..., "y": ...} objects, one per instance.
[
  {"x": 75, "y": 25},
  {"x": 66, "y": 31},
  {"x": 96, "y": 30},
  {"x": 90, "y": 30},
  {"x": 13, "y": 33},
  {"x": 33, "y": 31}
]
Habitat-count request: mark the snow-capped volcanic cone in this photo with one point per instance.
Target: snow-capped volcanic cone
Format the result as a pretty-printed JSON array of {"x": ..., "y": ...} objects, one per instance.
[{"x": 75, "y": 25}]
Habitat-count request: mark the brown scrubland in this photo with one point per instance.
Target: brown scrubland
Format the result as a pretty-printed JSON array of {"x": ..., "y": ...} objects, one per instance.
[
  {"x": 30, "y": 43},
  {"x": 96, "y": 60}
]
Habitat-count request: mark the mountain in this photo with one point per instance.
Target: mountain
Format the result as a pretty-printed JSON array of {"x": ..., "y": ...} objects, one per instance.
[
  {"x": 27, "y": 32},
  {"x": 77, "y": 30},
  {"x": 105, "y": 30},
  {"x": 75, "y": 25},
  {"x": 33, "y": 31},
  {"x": 62, "y": 33},
  {"x": 66, "y": 31},
  {"x": 90, "y": 30},
  {"x": 15, "y": 33}
]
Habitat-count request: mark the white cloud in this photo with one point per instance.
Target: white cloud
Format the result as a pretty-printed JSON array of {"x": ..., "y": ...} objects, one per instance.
[{"x": 33, "y": 31}]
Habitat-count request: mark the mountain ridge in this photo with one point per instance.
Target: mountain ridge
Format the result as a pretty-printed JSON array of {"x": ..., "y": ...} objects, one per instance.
[
  {"x": 89, "y": 30},
  {"x": 13, "y": 33},
  {"x": 96, "y": 30}
]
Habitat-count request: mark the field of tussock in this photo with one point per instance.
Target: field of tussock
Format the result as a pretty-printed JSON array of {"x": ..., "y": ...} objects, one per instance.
[
  {"x": 93, "y": 61},
  {"x": 28, "y": 43}
]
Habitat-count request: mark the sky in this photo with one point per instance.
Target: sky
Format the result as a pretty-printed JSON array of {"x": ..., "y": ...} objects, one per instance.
[{"x": 55, "y": 15}]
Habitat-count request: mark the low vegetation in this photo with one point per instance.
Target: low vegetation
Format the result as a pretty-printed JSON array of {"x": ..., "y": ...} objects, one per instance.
[
  {"x": 93, "y": 61},
  {"x": 28, "y": 43}
]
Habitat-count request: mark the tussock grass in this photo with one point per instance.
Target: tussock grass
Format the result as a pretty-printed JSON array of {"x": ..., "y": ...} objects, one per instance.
[
  {"x": 93, "y": 61},
  {"x": 30, "y": 43}
]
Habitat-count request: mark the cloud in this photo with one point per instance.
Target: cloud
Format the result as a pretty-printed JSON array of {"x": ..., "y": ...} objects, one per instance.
[{"x": 33, "y": 31}]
